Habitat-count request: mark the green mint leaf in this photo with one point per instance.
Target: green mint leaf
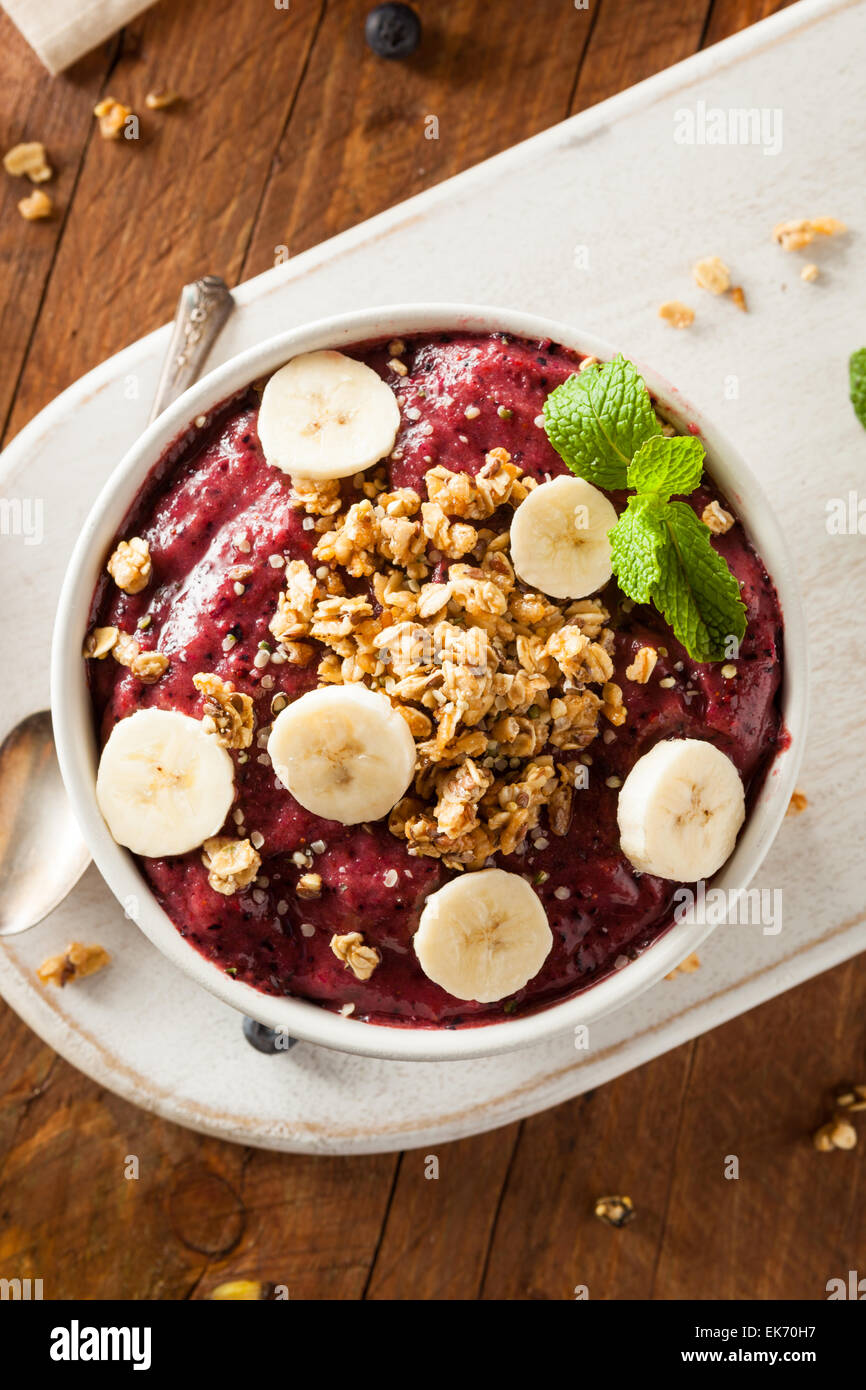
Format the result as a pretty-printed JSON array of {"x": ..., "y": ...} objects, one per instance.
[
  {"x": 667, "y": 465},
  {"x": 857, "y": 377},
  {"x": 636, "y": 543},
  {"x": 598, "y": 419},
  {"x": 696, "y": 592}
]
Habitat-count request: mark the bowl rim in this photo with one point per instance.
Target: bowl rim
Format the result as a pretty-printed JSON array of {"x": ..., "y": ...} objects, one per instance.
[{"x": 76, "y": 742}]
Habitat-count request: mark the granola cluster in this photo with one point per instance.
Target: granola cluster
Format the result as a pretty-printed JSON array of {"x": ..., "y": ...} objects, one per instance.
[{"x": 497, "y": 683}]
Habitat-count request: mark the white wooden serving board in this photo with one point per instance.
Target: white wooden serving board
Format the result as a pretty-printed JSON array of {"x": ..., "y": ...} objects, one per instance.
[{"x": 596, "y": 221}]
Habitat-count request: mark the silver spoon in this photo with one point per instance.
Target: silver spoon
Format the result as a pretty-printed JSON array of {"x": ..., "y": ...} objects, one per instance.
[{"x": 42, "y": 854}]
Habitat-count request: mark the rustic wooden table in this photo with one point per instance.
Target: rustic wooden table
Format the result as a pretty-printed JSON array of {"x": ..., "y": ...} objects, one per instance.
[{"x": 290, "y": 131}]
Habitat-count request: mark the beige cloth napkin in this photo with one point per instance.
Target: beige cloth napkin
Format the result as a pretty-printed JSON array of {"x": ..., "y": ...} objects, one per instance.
[{"x": 61, "y": 30}]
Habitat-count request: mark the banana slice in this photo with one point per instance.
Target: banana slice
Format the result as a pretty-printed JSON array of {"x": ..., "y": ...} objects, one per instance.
[
  {"x": 559, "y": 538},
  {"x": 324, "y": 415},
  {"x": 163, "y": 785},
  {"x": 343, "y": 752},
  {"x": 483, "y": 935},
  {"x": 680, "y": 810}
]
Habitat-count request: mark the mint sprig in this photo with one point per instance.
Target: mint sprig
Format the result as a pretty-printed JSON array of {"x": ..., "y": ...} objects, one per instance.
[
  {"x": 598, "y": 419},
  {"x": 602, "y": 424},
  {"x": 857, "y": 379}
]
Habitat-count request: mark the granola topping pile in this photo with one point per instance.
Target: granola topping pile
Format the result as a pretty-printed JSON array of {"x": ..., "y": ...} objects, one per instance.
[{"x": 501, "y": 687}]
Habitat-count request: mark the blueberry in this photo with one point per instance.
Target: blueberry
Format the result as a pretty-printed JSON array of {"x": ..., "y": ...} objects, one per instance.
[
  {"x": 393, "y": 31},
  {"x": 264, "y": 1039}
]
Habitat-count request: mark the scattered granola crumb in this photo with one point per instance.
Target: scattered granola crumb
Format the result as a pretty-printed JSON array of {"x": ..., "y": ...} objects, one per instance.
[
  {"x": 75, "y": 963},
  {"x": 361, "y": 960},
  {"x": 111, "y": 115},
  {"x": 793, "y": 236},
  {"x": 739, "y": 297},
  {"x": 231, "y": 864},
  {"x": 677, "y": 314},
  {"x": 643, "y": 665},
  {"x": 685, "y": 967},
  {"x": 227, "y": 713},
  {"x": 798, "y": 803},
  {"x": 810, "y": 272},
  {"x": 716, "y": 518},
  {"x": 399, "y": 367},
  {"x": 615, "y": 1211},
  {"x": 99, "y": 642},
  {"x": 838, "y": 1133},
  {"x": 712, "y": 274},
  {"x": 147, "y": 666},
  {"x": 130, "y": 565},
  {"x": 159, "y": 100},
  {"x": 30, "y": 160},
  {"x": 246, "y": 1289},
  {"x": 309, "y": 886},
  {"x": 36, "y": 206}
]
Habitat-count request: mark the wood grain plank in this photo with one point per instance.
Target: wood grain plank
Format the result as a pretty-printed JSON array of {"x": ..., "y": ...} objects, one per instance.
[
  {"x": 441, "y": 1219},
  {"x": 199, "y": 1212},
  {"x": 730, "y": 16},
  {"x": 356, "y": 141},
  {"x": 631, "y": 42},
  {"x": 620, "y": 1139},
  {"x": 181, "y": 201},
  {"x": 760, "y": 1086},
  {"x": 33, "y": 106}
]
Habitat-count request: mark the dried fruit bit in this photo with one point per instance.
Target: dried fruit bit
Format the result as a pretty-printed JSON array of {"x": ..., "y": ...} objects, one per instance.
[
  {"x": 809, "y": 272},
  {"x": 111, "y": 115},
  {"x": 29, "y": 159},
  {"x": 158, "y": 101},
  {"x": 36, "y": 207},
  {"x": 685, "y": 967},
  {"x": 712, "y": 274},
  {"x": 798, "y": 803},
  {"x": 247, "y": 1289},
  {"x": 837, "y": 1134},
  {"x": 675, "y": 313},
  {"x": 739, "y": 298},
  {"x": 615, "y": 1211},
  {"x": 74, "y": 963},
  {"x": 793, "y": 236}
]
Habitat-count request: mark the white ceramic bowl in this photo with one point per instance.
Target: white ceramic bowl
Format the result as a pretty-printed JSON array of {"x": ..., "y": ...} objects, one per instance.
[{"x": 76, "y": 744}]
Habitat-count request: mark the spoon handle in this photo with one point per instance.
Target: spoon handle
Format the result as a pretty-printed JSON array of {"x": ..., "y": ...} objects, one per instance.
[{"x": 202, "y": 309}]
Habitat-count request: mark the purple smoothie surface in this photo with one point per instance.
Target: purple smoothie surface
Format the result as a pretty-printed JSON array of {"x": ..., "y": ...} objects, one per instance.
[{"x": 213, "y": 495}]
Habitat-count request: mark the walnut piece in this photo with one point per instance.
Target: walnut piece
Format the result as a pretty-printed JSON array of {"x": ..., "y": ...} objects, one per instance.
[
  {"x": 712, "y": 274},
  {"x": 360, "y": 959},
  {"x": 677, "y": 314},
  {"x": 75, "y": 963},
  {"x": 793, "y": 236},
  {"x": 130, "y": 565},
  {"x": 642, "y": 666},
  {"x": 28, "y": 159},
  {"x": 231, "y": 864},
  {"x": 716, "y": 518},
  {"x": 112, "y": 116},
  {"x": 228, "y": 714},
  {"x": 36, "y": 207}
]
